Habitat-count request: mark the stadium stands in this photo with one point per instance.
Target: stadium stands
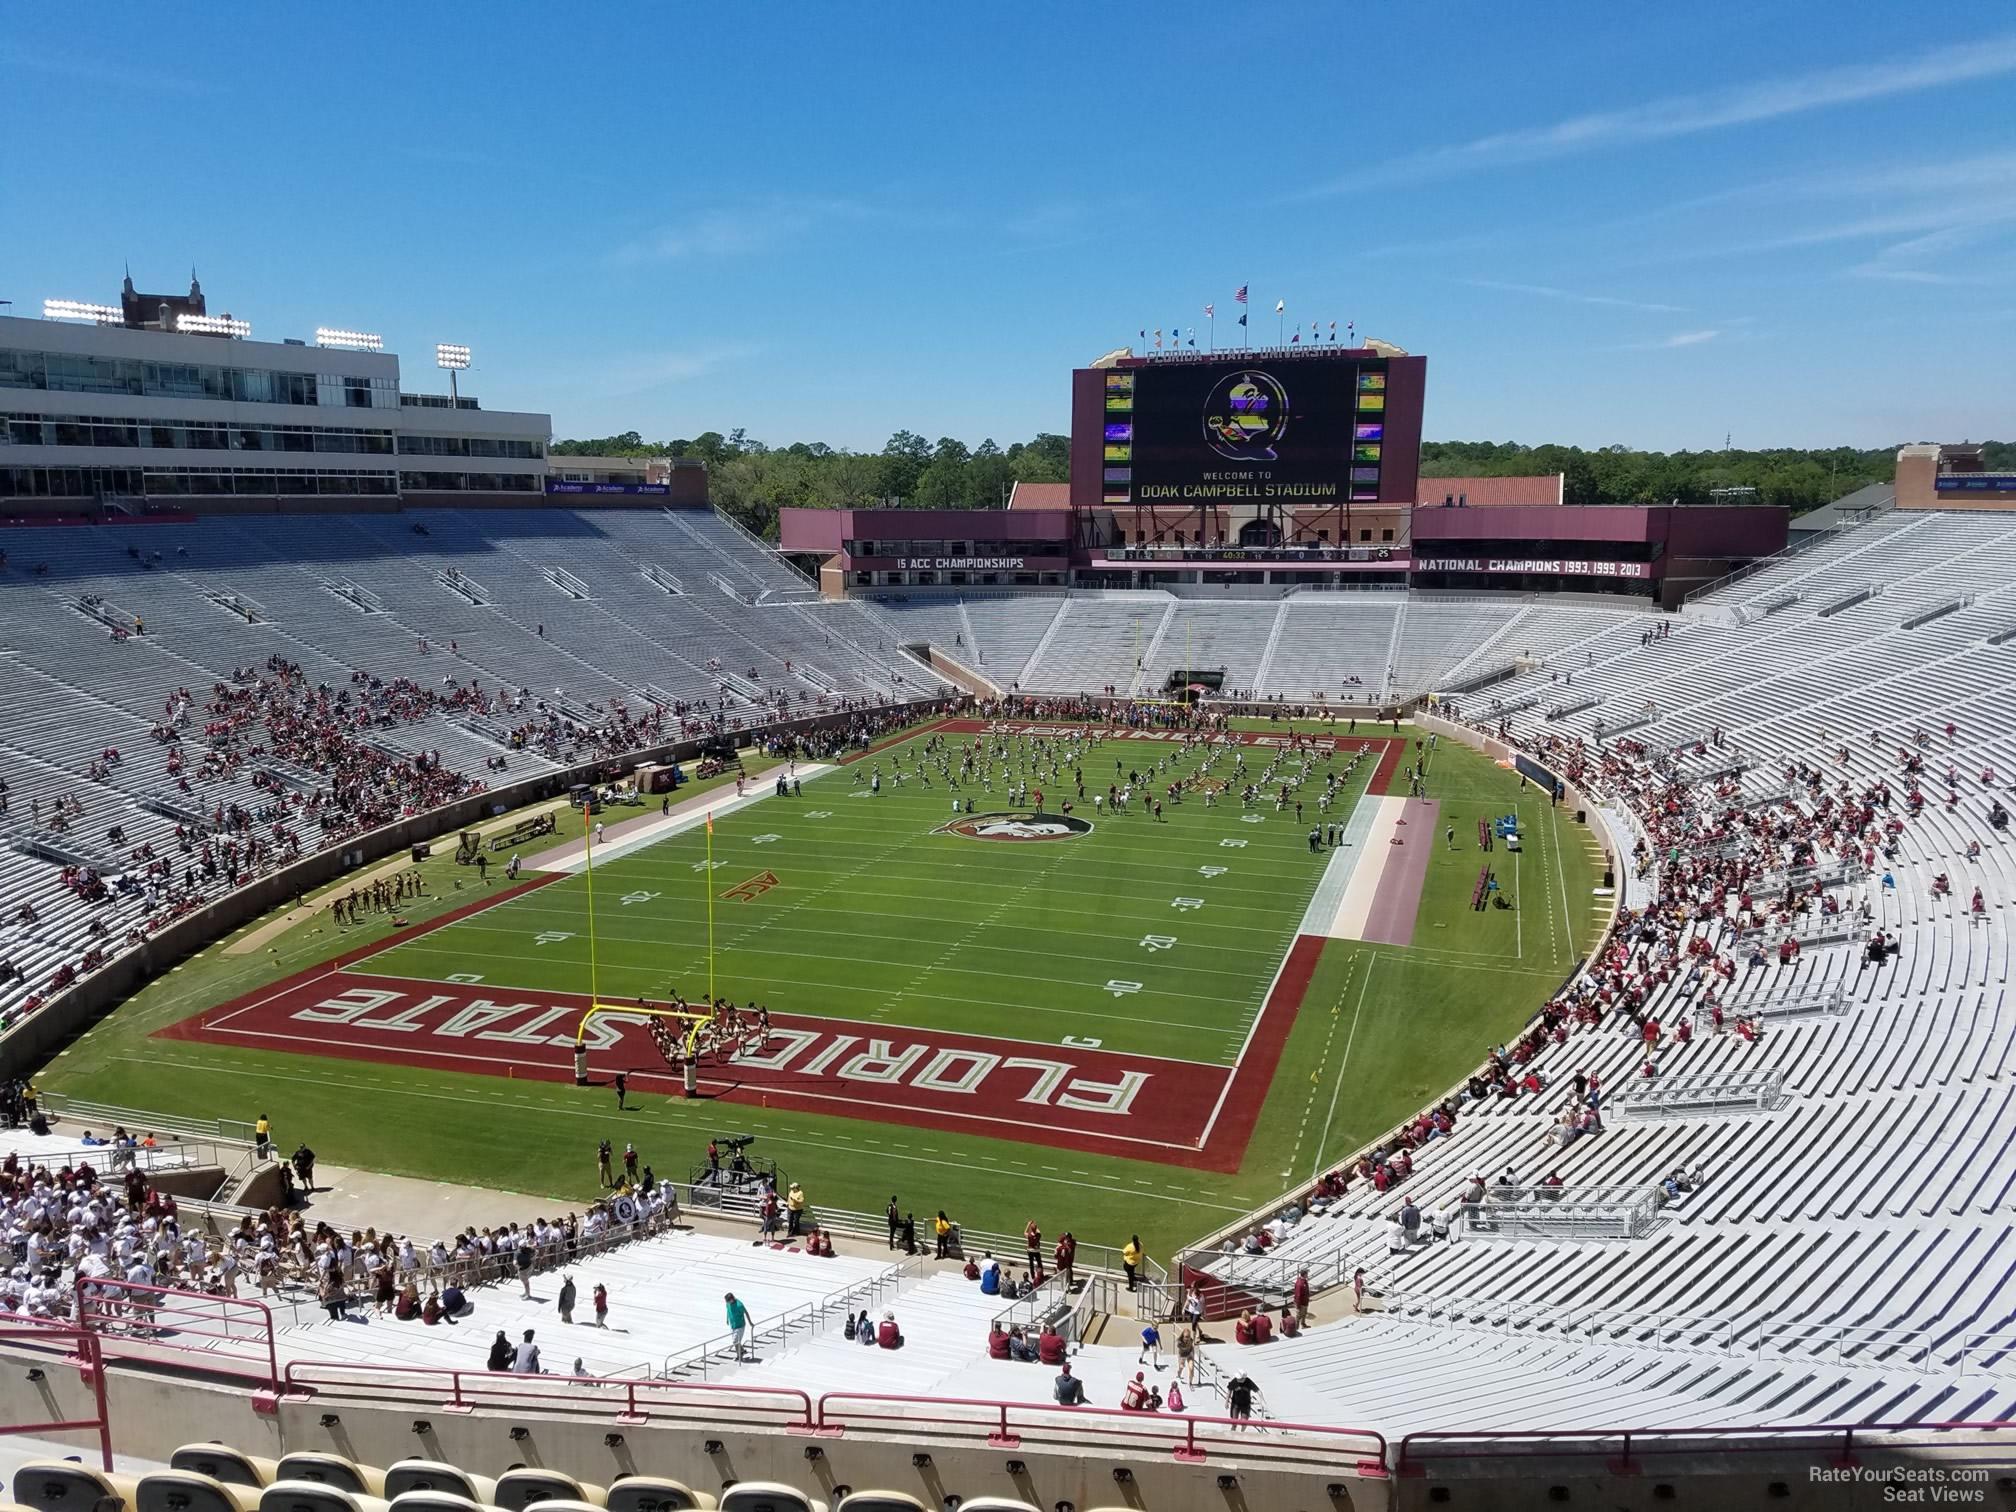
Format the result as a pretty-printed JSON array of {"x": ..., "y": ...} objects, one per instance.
[
  {"x": 1805, "y": 1035},
  {"x": 535, "y": 638}
]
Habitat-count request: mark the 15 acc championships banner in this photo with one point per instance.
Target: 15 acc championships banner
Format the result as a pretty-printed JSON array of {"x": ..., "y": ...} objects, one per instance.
[{"x": 1250, "y": 430}]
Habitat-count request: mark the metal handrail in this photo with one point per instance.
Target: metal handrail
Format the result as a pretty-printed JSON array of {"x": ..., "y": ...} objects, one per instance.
[
  {"x": 470, "y": 1389},
  {"x": 780, "y": 1325},
  {"x": 90, "y": 1362},
  {"x": 1787, "y": 552},
  {"x": 1179, "y": 1432},
  {"x": 167, "y": 1315},
  {"x": 1418, "y": 1450},
  {"x": 83, "y": 1110}
]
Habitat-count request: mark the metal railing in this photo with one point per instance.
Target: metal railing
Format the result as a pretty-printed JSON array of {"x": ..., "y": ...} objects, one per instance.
[
  {"x": 162, "y": 1325},
  {"x": 643, "y": 1398},
  {"x": 1186, "y": 1437},
  {"x": 1848, "y": 1344},
  {"x": 83, "y": 1111},
  {"x": 1812, "y": 1003},
  {"x": 90, "y": 1363},
  {"x": 813, "y": 1316},
  {"x": 1847, "y": 520},
  {"x": 1572, "y": 1212},
  {"x": 1713, "y": 1092},
  {"x": 769, "y": 548},
  {"x": 1496, "y": 1453}
]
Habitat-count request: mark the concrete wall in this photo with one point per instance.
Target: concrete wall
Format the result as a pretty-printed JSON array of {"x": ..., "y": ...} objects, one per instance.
[
  {"x": 152, "y": 1415},
  {"x": 706, "y": 1447},
  {"x": 955, "y": 671}
]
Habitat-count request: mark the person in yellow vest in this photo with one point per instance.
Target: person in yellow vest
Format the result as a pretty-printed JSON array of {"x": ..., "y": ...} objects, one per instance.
[
  {"x": 262, "y": 1134},
  {"x": 1131, "y": 1257},
  {"x": 794, "y": 1205}
]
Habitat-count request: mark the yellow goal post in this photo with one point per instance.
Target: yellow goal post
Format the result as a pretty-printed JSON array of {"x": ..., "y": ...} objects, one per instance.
[{"x": 691, "y": 1017}]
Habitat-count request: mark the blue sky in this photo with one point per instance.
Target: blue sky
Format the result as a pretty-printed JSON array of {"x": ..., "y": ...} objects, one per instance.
[{"x": 1790, "y": 223}]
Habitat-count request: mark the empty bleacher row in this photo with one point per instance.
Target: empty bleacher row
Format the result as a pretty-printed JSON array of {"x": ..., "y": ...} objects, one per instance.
[{"x": 1310, "y": 646}]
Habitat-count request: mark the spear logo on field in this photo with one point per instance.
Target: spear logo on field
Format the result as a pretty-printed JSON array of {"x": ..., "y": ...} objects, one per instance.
[{"x": 1021, "y": 825}]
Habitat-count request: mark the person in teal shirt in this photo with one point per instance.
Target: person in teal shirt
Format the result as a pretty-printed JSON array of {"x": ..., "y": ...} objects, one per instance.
[{"x": 738, "y": 1324}]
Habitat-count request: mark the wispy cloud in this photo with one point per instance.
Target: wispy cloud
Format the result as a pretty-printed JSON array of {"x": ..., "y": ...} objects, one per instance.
[
  {"x": 735, "y": 231},
  {"x": 1689, "y": 114},
  {"x": 1908, "y": 261},
  {"x": 1668, "y": 343},
  {"x": 1571, "y": 296},
  {"x": 95, "y": 70}
]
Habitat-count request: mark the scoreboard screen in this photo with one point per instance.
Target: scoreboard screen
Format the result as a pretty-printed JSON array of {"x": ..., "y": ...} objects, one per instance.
[{"x": 1245, "y": 428}]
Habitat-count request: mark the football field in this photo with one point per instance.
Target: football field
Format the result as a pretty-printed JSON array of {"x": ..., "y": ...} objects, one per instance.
[{"x": 969, "y": 994}]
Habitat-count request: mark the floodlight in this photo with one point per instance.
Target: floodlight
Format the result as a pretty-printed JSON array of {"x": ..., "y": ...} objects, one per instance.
[
  {"x": 447, "y": 355},
  {"x": 356, "y": 341},
  {"x": 77, "y": 309},
  {"x": 213, "y": 325}
]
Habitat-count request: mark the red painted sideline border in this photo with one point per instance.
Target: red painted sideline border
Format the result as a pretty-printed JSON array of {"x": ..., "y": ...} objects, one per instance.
[
  {"x": 1232, "y": 1127},
  {"x": 1389, "y": 766}
]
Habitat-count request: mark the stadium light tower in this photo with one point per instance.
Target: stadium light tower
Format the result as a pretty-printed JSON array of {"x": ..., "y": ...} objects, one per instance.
[
  {"x": 456, "y": 360},
  {"x": 77, "y": 309},
  {"x": 353, "y": 341},
  {"x": 214, "y": 325}
]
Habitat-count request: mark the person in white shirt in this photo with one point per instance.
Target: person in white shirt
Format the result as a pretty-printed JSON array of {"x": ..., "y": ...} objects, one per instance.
[{"x": 526, "y": 1359}]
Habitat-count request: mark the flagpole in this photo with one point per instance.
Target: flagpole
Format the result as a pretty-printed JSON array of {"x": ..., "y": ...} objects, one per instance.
[{"x": 1280, "y": 324}]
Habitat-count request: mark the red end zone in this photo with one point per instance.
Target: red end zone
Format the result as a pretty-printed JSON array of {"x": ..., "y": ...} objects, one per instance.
[{"x": 1095, "y": 1101}]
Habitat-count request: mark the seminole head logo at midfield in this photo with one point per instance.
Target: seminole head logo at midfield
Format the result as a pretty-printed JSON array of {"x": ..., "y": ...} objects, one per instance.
[
  {"x": 1020, "y": 825},
  {"x": 1246, "y": 415}
]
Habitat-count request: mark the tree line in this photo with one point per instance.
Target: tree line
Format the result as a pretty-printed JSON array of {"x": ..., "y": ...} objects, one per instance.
[
  {"x": 1797, "y": 478},
  {"x": 753, "y": 481}
]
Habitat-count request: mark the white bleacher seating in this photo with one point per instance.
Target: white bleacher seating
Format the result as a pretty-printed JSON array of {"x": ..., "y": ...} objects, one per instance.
[{"x": 565, "y": 615}]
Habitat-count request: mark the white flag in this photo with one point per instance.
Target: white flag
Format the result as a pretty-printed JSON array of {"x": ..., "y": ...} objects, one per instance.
[{"x": 1280, "y": 305}]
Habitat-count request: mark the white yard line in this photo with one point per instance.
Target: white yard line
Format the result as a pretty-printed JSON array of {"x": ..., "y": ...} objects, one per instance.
[
  {"x": 1371, "y": 960},
  {"x": 678, "y": 824}
]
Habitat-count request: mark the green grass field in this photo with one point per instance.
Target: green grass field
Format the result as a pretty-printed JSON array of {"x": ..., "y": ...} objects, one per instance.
[{"x": 881, "y": 919}]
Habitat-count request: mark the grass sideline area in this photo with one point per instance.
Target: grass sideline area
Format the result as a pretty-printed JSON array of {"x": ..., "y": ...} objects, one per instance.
[{"x": 881, "y": 918}]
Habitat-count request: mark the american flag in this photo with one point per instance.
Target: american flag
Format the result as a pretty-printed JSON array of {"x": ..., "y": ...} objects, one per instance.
[{"x": 1241, "y": 295}]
